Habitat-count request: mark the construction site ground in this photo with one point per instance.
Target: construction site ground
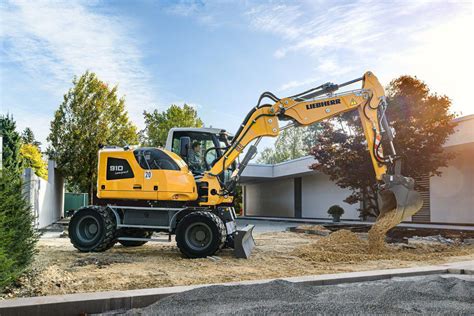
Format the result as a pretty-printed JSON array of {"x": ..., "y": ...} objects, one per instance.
[{"x": 60, "y": 269}]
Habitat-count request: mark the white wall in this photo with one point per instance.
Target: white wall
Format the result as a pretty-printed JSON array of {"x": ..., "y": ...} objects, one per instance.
[
  {"x": 46, "y": 196},
  {"x": 271, "y": 198},
  {"x": 320, "y": 193},
  {"x": 464, "y": 132},
  {"x": 452, "y": 194}
]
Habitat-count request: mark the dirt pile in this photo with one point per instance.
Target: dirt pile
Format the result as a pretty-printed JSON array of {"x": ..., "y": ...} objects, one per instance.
[{"x": 346, "y": 246}]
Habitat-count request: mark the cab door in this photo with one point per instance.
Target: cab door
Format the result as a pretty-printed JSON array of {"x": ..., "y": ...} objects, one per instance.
[{"x": 149, "y": 179}]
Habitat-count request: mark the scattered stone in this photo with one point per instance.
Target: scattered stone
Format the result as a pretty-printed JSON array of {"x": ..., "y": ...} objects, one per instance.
[
  {"x": 64, "y": 234},
  {"x": 407, "y": 246},
  {"x": 54, "y": 227},
  {"x": 469, "y": 241},
  {"x": 99, "y": 262},
  {"x": 431, "y": 239},
  {"x": 214, "y": 258}
]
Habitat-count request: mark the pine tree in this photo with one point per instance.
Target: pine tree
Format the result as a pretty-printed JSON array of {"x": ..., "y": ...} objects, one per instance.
[
  {"x": 28, "y": 137},
  {"x": 17, "y": 233},
  {"x": 11, "y": 144}
]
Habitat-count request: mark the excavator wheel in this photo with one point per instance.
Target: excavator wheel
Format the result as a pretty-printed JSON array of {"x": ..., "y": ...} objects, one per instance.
[
  {"x": 200, "y": 234},
  {"x": 135, "y": 233},
  {"x": 92, "y": 229}
]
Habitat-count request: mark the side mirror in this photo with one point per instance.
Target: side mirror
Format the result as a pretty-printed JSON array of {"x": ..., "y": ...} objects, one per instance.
[{"x": 185, "y": 144}]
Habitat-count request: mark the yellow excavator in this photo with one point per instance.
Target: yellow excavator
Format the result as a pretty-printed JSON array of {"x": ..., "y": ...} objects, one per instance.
[{"x": 145, "y": 190}]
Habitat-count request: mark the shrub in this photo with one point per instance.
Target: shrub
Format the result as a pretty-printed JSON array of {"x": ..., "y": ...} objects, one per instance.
[
  {"x": 17, "y": 234},
  {"x": 336, "y": 211}
]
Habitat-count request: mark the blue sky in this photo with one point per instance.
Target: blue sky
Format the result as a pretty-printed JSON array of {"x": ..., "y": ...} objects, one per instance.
[{"x": 220, "y": 55}]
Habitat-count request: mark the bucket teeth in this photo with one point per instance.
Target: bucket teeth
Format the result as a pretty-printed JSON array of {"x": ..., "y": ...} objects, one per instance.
[{"x": 244, "y": 242}]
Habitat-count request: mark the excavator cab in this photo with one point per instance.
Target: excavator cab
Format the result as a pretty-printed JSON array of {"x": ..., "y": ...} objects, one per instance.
[{"x": 211, "y": 145}]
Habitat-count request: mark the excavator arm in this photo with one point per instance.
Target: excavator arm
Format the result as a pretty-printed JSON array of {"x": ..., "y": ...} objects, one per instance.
[{"x": 313, "y": 106}]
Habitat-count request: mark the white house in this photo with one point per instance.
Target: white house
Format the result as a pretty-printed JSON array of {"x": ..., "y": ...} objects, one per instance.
[{"x": 291, "y": 189}]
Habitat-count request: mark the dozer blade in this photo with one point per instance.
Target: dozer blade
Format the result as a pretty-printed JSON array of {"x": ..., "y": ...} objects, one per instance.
[
  {"x": 399, "y": 199},
  {"x": 243, "y": 242}
]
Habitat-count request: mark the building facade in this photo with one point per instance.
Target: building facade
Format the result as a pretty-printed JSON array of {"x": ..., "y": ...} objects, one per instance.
[{"x": 291, "y": 190}]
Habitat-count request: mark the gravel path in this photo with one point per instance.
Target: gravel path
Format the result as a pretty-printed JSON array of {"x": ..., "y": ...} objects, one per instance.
[{"x": 416, "y": 295}]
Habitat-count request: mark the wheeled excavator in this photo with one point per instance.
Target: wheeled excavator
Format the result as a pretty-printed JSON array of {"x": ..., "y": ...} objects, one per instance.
[{"x": 143, "y": 190}]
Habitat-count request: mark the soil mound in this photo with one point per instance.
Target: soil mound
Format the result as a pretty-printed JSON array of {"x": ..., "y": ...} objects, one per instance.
[{"x": 346, "y": 246}]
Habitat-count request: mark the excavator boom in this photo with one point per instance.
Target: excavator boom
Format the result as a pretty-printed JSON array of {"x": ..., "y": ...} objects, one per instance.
[{"x": 397, "y": 195}]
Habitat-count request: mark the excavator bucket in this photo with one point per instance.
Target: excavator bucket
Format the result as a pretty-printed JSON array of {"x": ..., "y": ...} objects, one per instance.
[
  {"x": 399, "y": 199},
  {"x": 243, "y": 242}
]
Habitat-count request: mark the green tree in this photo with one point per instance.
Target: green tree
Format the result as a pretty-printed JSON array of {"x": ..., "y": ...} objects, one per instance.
[
  {"x": 157, "y": 124},
  {"x": 90, "y": 115},
  {"x": 422, "y": 122},
  {"x": 11, "y": 144},
  {"x": 292, "y": 143}
]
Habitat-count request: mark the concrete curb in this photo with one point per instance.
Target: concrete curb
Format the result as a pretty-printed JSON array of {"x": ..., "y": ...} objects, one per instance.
[{"x": 97, "y": 302}]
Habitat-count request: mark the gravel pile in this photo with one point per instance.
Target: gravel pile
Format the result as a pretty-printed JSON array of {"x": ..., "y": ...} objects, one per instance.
[{"x": 420, "y": 295}]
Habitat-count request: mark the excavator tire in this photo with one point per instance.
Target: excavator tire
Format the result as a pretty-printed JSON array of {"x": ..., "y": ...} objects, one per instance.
[
  {"x": 135, "y": 233},
  {"x": 92, "y": 229},
  {"x": 200, "y": 234}
]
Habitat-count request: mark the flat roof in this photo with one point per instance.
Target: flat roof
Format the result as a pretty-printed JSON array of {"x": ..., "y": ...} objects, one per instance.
[{"x": 290, "y": 168}]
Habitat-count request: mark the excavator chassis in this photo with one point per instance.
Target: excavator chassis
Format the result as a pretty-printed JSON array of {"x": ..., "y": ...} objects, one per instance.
[{"x": 199, "y": 231}]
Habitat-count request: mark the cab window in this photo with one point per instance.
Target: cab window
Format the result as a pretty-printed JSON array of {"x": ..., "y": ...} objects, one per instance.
[
  {"x": 153, "y": 158},
  {"x": 205, "y": 141}
]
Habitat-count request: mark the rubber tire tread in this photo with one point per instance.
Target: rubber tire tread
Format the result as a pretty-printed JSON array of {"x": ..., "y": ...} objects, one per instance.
[
  {"x": 219, "y": 224},
  {"x": 109, "y": 237},
  {"x": 137, "y": 233}
]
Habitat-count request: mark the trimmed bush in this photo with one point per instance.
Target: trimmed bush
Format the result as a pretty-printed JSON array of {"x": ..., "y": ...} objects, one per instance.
[
  {"x": 336, "y": 212},
  {"x": 17, "y": 234}
]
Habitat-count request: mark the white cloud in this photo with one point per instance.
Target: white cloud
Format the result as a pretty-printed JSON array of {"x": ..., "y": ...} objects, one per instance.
[
  {"x": 430, "y": 39},
  {"x": 54, "y": 41},
  {"x": 281, "y": 19},
  {"x": 204, "y": 13},
  {"x": 185, "y": 8}
]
